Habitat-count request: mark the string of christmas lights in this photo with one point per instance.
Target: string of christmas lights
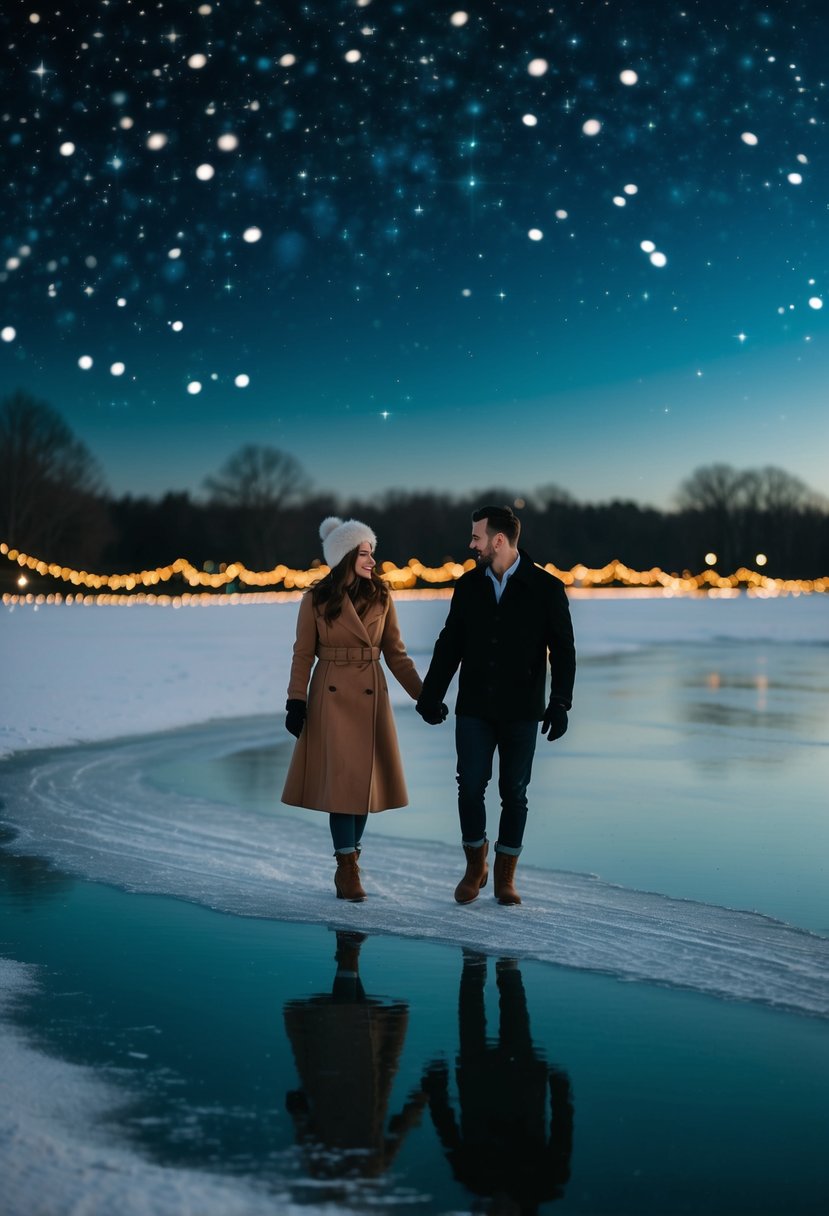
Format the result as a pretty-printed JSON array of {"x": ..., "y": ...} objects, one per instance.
[{"x": 138, "y": 586}]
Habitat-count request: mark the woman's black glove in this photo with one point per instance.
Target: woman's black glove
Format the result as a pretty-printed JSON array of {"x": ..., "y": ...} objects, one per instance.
[
  {"x": 432, "y": 713},
  {"x": 555, "y": 721},
  {"x": 295, "y": 717}
]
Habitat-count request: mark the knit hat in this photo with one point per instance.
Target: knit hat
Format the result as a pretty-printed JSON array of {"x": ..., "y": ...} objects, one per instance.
[{"x": 340, "y": 536}]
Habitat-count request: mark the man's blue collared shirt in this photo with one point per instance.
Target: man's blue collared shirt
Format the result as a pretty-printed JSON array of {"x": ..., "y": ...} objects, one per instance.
[{"x": 499, "y": 585}]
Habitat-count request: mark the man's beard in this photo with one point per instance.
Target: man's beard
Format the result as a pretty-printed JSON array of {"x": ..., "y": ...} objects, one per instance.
[{"x": 484, "y": 558}]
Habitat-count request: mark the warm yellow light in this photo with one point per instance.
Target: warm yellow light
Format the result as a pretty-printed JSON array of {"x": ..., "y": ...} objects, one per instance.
[{"x": 405, "y": 578}]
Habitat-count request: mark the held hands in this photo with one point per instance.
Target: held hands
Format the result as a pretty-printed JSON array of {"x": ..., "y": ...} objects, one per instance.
[
  {"x": 295, "y": 717},
  {"x": 432, "y": 713},
  {"x": 554, "y": 723}
]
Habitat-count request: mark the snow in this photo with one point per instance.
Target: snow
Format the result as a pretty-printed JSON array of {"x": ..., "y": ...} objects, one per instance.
[{"x": 77, "y": 673}]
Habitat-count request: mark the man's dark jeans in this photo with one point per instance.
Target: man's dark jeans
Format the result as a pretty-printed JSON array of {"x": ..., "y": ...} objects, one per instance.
[{"x": 476, "y": 740}]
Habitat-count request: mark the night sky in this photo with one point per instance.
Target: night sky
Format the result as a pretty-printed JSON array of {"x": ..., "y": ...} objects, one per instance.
[{"x": 420, "y": 246}]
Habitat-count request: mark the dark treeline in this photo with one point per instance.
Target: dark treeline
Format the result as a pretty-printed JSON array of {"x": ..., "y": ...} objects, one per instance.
[{"x": 260, "y": 509}]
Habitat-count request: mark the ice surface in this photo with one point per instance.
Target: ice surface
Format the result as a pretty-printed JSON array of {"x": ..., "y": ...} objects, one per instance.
[
  {"x": 96, "y": 812},
  {"x": 76, "y": 673}
]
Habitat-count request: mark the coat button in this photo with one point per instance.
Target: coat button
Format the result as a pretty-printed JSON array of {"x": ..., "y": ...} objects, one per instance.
[
  {"x": 332, "y": 688},
  {"x": 369, "y": 692}
]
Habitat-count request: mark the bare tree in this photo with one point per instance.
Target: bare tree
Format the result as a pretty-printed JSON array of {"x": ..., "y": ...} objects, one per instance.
[
  {"x": 552, "y": 495},
  {"x": 257, "y": 477},
  {"x": 714, "y": 495},
  {"x": 51, "y": 485},
  {"x": 773, "y": 489},
  {"x": 255, "y": 485},
  {"x": 717, "y": 488}
]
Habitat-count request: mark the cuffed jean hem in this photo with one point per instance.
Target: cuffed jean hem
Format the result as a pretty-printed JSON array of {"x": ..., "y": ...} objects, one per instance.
[
  {"x": 474, "y": 844},
  {"x": 508, "y": 849}
]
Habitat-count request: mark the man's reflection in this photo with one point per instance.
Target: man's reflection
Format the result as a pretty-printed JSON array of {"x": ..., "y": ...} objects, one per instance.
[
  {"x": 502, "y": 1146},
  {"x": 347, "y": 1048}
]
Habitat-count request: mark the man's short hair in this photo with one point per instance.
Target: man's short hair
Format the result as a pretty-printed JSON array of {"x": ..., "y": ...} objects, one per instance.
[{"x": 499, "y": 519}]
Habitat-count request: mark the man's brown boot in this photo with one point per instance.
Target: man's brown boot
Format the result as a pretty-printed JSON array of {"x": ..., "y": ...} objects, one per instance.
[
  {"x": 347, "y": 878},
  {"x": 504, "y": 878},
  {"x": 477, "y": 872}
]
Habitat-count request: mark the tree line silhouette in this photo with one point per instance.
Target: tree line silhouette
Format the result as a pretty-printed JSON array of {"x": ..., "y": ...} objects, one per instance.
[{"x": 260, "y": 508}]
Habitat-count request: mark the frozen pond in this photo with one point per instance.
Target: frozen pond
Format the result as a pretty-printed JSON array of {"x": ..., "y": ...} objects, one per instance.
[{"x": 196, "y": 1052}]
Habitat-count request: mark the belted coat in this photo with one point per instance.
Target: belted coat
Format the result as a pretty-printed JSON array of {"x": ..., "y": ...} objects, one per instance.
[{"x": 346, "y": 760}]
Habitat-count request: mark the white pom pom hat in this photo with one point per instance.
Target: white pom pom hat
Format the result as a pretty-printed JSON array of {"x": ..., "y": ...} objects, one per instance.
[{"x": 340, "y": 536}]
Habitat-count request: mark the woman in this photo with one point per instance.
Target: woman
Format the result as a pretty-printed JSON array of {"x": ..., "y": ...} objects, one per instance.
[{"x": 346, "y": 760}]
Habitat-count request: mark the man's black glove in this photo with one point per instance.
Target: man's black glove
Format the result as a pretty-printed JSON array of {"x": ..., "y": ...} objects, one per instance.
[
  {"x": 432, "y": 713},
  {"x": 295, "y": 717},
  {"x": 554, "y": 723}
]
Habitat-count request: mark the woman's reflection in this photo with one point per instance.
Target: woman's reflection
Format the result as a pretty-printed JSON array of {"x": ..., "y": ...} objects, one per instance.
[
  {"x": 347, "y": 1048},
  {"x": 502, "y": 1146}
]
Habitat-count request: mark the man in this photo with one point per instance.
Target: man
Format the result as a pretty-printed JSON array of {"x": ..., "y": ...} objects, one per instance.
[{"x": 504, "y": 618}]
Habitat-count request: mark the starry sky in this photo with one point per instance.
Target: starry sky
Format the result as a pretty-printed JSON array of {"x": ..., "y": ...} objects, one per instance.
[{"x": 420, "y": 246}]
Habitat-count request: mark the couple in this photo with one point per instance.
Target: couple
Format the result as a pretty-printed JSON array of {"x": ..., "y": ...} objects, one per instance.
[{"x": 504, "y": 618}]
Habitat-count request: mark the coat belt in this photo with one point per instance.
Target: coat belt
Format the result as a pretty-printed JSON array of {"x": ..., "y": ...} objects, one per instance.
[{"x": 349, "y": 654}]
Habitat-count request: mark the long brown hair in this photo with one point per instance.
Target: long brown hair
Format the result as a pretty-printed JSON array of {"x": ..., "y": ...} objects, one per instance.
[{"x": 340, "y": 582}]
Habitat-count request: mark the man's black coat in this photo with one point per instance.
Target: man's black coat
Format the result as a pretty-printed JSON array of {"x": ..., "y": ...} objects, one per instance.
[{"x": 502, "y": 648}]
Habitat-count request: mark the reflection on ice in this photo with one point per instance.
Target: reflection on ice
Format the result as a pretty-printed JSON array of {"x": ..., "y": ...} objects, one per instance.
[
  {"x": 347, "y": 1046},
  {"x": 503, "y": 1115},
  {"x": 501, "y": 1142}
]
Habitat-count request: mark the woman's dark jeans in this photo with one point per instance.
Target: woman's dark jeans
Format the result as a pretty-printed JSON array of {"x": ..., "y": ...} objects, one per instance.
[{"x": 346, "y": 831}]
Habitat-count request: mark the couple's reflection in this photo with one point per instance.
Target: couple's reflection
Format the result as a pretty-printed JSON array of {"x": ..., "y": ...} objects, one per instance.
[
  {"x": 509, "y": 1140},
  {"x": 347, "y": 1049},
  {"x": 501, "y": 1143}
]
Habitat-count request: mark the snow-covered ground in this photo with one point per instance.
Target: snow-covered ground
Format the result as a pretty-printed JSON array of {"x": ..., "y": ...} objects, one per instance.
[{"x": 77, "y": 673}]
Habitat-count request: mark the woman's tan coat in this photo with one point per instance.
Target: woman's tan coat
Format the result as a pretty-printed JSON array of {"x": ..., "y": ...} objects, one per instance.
[{"x": 347, "y": 759}]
